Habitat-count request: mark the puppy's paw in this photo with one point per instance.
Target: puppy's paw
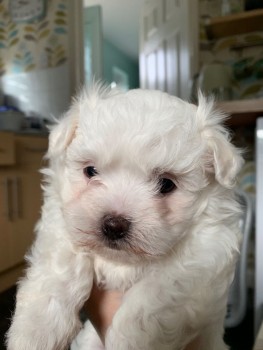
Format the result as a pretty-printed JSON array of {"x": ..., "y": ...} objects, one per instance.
[
  {"x": 34, "y": 333},
  {"x": 31, "y": 340}
]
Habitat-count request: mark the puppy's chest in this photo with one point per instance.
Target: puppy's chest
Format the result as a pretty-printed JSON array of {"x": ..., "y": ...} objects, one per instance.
[{"x": 110, "y": 275}]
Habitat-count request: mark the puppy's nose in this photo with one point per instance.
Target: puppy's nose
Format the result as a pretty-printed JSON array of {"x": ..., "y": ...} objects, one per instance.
[{"x": 115, "y": 227}]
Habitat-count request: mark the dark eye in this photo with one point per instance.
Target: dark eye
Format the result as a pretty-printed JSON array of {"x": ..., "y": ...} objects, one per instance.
[
  {"x": 90, "y": 171},
  {"x": 166, "y": 186}
]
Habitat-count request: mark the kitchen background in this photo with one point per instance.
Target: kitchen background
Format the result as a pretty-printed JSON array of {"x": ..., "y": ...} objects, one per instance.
[
  {"x": 243, "y": 54},
  {"x": 34, "y": 58},
  {"x": 36, "y": 79},
  {"x": 34, "y": 61}
]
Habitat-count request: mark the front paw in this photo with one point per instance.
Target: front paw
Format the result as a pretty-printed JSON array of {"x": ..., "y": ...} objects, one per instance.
[
  {"x": 34, "y": 332},
  {"x": 146, "y": 324}
]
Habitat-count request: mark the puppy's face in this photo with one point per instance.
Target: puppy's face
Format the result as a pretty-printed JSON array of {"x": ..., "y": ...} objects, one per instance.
[{"x": 133, "y": 170}]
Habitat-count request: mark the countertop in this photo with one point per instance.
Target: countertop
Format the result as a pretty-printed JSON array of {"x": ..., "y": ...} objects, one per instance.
[{"x": 28, "y": 132}]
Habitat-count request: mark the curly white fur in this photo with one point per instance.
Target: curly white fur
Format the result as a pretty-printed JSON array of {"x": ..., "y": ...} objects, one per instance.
[{"x": 177, "y": 262}]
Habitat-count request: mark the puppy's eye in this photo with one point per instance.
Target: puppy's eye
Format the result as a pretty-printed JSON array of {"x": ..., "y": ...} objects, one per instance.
[
  {"x": 166, "y": 185},
  {"x": 90, "y": 171}
]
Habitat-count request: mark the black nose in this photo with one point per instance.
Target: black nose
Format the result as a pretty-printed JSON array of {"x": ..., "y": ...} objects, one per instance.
[{"x": 115, "y": 227}]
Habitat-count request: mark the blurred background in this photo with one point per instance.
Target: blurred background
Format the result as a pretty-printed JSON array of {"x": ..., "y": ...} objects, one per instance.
[{"x": 50, "y": 49}]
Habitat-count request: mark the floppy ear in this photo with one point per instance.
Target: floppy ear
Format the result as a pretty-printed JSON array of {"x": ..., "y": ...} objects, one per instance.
[
  {"x": 226, "y": 159},
  {"x": 62, "y": 134},
  {"x": 222, "y": 158}
]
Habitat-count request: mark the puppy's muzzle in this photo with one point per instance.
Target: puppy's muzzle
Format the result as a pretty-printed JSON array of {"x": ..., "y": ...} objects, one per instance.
[{"x": 115, "y": 227}]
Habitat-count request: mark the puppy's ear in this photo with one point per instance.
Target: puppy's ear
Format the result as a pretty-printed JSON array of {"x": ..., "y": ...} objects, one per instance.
[
  {"x": 222, "y": 158},
  {"x": 62, "y": 134},
  {"x": 226, "y": 159}
]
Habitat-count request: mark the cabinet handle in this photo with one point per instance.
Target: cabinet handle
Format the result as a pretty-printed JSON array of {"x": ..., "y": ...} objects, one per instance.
[
  {"x": 17, "y": 212},
  {"x": 7, "y": 211}
]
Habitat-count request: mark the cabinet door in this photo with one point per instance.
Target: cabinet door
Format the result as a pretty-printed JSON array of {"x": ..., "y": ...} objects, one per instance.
[
  {"x": 27, "y": 192},
  {"x": 20, "y": 198},
  {"x": 30, "y": 151},
  {"x": 7, "y": 148},
  {"x": 26, "y": 210},
  {"x": 5, "y": 221}
]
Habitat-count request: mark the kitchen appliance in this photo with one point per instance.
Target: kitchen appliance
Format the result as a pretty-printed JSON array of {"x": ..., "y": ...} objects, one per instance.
[
  {"x": 237, "y": 300},
  {"x": 259, "y": 227},
  {"x": 11, "y": 119}
]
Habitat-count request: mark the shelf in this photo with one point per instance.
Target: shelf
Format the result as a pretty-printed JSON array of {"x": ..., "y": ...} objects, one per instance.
[
  {"x": 242, "y": 112},
  {"x": 240, "y": 23},
  {"x": 242, "y": 46}
]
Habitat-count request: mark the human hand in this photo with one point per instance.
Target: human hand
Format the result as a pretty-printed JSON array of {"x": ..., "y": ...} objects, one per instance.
[{"x": 101, "y": 308}]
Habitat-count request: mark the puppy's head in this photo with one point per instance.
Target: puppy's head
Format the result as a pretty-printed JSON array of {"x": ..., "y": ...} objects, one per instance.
[{"x": 131, "y": 170}]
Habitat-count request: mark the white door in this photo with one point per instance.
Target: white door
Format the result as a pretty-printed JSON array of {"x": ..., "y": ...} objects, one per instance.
[
  {"x": 169, "y": 45},
  {"x": 92, "y": 20}
]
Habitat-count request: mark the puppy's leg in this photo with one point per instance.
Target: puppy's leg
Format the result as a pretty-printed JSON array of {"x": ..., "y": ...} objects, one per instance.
[
  {"x": 154, "y": 316},
  {"x": 55, "y": 287},
  {"x": 146, "y": 322}
]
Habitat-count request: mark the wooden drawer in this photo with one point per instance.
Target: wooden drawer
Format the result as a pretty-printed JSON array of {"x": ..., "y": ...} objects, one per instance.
[
  {"x": 7, "y": 148},
  {"x": 31, "y": 149}
]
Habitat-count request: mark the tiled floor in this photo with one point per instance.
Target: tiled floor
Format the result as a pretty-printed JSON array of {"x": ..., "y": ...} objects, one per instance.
[{"x": 239, "y": 338}]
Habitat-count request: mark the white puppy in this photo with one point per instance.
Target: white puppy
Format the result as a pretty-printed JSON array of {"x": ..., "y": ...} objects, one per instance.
[{"x": 138, "y": 197}]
